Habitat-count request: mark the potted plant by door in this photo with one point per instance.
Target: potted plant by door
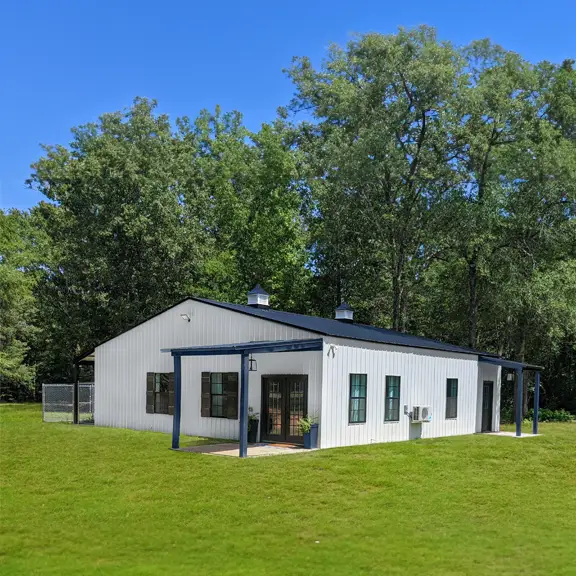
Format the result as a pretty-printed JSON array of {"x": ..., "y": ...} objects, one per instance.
[
  {"x": 309, "y": 428},
  {"x": 253, "y": 420}
]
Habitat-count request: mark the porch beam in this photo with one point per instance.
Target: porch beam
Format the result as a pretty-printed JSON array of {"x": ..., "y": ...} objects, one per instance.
[
  {"x": 536, "y": 403},
  {"x": 177, "y": 402},
  {"x": 519, "y": 397},
  {"x": 249, "y": 347},
  {"x": 244, "y": 374}
]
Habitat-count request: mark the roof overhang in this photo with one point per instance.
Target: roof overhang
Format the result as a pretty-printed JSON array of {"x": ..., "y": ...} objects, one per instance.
[
  {"x": 512, "y": 364},
  {"x": 258, "y": 347},
  {"x": 87, "y": 357}
]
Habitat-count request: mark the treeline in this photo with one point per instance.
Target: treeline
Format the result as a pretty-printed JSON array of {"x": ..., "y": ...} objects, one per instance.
[{"x": 432, "y": 187}]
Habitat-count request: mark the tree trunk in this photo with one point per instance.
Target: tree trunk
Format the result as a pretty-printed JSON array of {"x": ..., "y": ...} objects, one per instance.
[
  {"x": 397, "y": 290},
  {"x": 520, "y": 357},
  {"x": 404, "y": 310},
  {"x": 473, "y": 300}
]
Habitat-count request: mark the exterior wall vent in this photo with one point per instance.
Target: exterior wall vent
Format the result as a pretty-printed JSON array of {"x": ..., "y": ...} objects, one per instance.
[
  {"x": 345, "y": 313},
  {"x": 258, "y": 297}
]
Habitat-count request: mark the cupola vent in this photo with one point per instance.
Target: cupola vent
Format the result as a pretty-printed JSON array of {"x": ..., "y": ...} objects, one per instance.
[
  {"x": 344, "y": 313},
  {"x": 258, "y": 297}
]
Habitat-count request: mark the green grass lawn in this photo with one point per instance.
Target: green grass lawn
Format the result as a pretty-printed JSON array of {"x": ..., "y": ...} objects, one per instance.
[{"x": 87, "y": 500}]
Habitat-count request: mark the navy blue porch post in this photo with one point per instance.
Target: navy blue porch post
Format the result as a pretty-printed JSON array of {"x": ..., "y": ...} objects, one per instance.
[
  {"x": 244, "y": 373},
  {"x": 519, "y": 400},
  {"x": 536, "y": 403},
  {"x": 177, "y": 402}
]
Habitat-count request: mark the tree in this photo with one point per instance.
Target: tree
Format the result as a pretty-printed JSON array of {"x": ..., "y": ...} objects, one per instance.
[
  {"x": 253, "y": 181},
  {"x": 126, "y": 224},
  {"x": 17, "y": 306},
  {"x": 382, "y": 157}
]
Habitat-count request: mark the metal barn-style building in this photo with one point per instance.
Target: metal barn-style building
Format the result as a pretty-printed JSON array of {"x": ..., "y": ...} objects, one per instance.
[{"x": 199, "y": 366}]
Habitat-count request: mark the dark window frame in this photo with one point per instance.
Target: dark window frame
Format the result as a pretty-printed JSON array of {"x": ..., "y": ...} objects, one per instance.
[
  {"x": 451, "y": 398},
  {"x": 351, "y": 398},
  {"x": 219, "y": 395},
  {"x": 392, "y": 414},
  {"x": 160, "y": 393}
]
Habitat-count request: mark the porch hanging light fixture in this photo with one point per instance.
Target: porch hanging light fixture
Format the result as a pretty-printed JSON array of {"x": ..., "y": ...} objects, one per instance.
[{"x": 252, "y": 365}]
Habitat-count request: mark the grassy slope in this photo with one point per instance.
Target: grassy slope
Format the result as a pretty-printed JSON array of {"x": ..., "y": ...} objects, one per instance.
[{"x": 85, "y": 500}]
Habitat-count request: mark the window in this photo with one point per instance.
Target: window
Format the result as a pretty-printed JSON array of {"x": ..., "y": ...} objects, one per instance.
[
  {"x": 219, "y": 398},
  {"x": 451, "y": 397},
  {"x": 392, "y": 405},
  {"x": 160, "y": 393},
  {"x": 216, "y": 395},
  {"x": 357, "y": 398}
]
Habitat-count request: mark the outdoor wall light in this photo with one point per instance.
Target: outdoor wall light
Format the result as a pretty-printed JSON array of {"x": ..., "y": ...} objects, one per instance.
[
  {"x": 252, "y": 365},
  {"x": 185, "y": 317}
]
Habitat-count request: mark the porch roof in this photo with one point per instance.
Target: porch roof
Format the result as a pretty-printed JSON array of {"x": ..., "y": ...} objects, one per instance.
[
  {"x": 513, "y": 364},
  {"x": 253, "y": 347}
]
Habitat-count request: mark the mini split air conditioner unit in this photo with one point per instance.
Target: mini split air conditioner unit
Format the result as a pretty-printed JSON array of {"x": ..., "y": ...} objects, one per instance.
[{"x": 421, "y": 413}]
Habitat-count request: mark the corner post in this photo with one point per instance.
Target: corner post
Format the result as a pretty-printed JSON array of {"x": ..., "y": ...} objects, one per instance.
[
  {"x": 536, "y": 403},
  {"x": 244, "y": 373},
  {"x": 177, "y": 402},
  {"x": 519, "y": 396},
  {"x": 76, "y": 399}
]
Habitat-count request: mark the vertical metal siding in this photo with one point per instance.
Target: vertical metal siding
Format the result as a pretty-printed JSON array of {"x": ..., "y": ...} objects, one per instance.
[
  {"x": 122, "y": 363},
  {"x": 423, "y": 381},
  {"x": 494, "y": 374}
]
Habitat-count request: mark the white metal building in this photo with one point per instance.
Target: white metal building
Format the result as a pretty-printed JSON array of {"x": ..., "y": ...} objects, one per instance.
[{"x": 363, "y": 384}]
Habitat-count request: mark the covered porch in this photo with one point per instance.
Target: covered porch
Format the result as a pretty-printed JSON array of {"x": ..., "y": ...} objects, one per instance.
[
  {"x": 245, "y": 350},
  {"x": 519, "y": 368}
]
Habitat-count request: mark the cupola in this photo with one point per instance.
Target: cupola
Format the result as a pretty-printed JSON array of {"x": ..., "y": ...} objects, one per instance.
[{"x": 258, "y": 297}]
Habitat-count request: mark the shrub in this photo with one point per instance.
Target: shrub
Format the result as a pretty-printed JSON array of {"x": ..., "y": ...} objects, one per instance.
[
  {"x": 547, "y": 415},
  {"x": 506, "y": 416}
]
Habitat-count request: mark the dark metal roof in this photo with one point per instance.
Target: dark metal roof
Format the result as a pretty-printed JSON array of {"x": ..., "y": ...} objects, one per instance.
[
  {"x": 337, "y": 328},
  {"x": 351, "y": 330},
  {"x": 258, "y": 290},
  {"x": 344, "y": 306}
]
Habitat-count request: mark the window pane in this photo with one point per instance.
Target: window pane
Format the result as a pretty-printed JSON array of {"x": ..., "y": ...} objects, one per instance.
[
  {"x": 452, "y": 387},
  {"x": 392, "y": 386},
  {"x": 217, "y": 410},
  {"x": 156, "y": 382},
  {"x": 161, "y": 403},
  {"x": 358, "y": 385},
  {"x": 216, "y": 387},
  {"x": 451, "y": 407},
  {"x": 216, "y": 377}
]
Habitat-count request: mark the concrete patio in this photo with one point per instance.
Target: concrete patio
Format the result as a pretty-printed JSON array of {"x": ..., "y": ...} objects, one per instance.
[
  {"x": 254, "y": 450},
  {"x": 511, "y": 434}
]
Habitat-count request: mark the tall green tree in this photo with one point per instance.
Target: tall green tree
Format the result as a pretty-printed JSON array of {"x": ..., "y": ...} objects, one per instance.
[
  {"x": 382, "y": 153},
  {"x": 253, "y": 182},
  {"x": 17, "y": 305},
  {"x": 126, "y": 220}
]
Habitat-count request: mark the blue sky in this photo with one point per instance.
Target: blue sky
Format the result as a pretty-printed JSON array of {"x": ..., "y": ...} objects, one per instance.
[{"x": 63, "y": 63}]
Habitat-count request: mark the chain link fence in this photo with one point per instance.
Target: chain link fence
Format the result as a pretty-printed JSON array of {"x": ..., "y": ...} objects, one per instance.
[
  {"x": 86, "y": 403},
  {"x": 58, "y": 402}
]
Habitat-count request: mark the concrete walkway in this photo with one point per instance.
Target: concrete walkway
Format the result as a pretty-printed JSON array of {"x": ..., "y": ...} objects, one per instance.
[
  {"x": 254, "y": 450},
  {"x": 512, "y": 434}
]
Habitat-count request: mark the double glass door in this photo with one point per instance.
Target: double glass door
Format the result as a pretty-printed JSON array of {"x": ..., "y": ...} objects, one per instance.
[{"x": 284, "y": 403}]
